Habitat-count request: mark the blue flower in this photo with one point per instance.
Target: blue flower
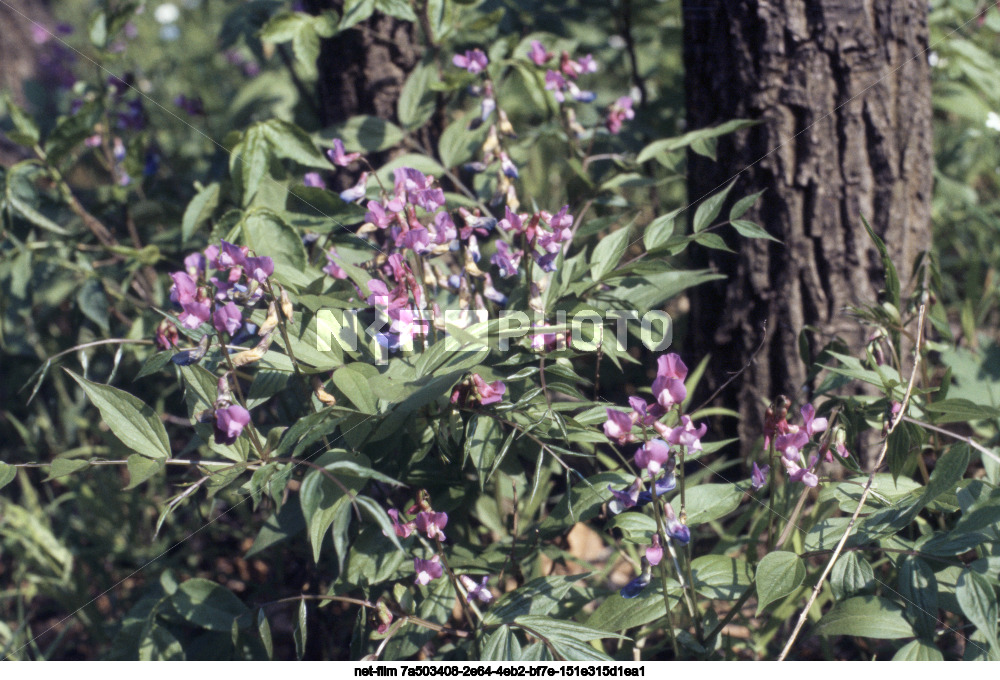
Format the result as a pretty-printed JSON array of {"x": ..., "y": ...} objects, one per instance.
[{"x": 666, "y": 483}]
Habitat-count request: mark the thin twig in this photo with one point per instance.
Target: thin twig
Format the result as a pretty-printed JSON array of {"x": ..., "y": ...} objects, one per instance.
[
  {"x": 864, "y": 494},
  {"x": 954, "y": 435}
]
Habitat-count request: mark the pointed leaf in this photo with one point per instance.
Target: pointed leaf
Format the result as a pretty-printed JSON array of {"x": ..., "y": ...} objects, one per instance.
[{"x": 778, "y": 575}]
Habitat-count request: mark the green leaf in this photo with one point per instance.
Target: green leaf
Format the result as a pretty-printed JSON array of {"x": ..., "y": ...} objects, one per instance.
[
  {"x": 866, "y": 616},
  {"x": 662, "y": 146},
  {"x": 72, "y": 130},
  {"x": 707, "y": 502},
  {"x": 501, "y": 645},
  {"x": 355, "y": 387},
  {"x": 659, "y": 231},
  {"x": 617, "y": 613},
  {"x": 851, "y": 575},
  {"x": 7, "y": 474},
  {"x": 778, "y": 575},
  {"x": 401, "y": 9},
  {"x": 751, "y": 230},
  {"x": 417, "y": 100},
  {"x": 742, "y": 205},
  {"x": 919, "y": 589},
  {"x": 458, "y": 144},
  {"x": 709, "y": 209},
  {"x": 891, "y": 277},
  {"x": 720, "y": 577},
  {"x": 267, "y": 234},
  {"x": 35, "y": 217},
  {"x": 199, "y": 210},
  {"x": 608, "y": 253},
  {"x": 132, "y": 421},
  {"x": 483, "y": 438},
  {"x": 264, "y": 629},
  {"x": 978, "y": 601},
  {"x": 324, "y": 502},
  {"x": 551, "y": 628},
  {"x": 356, "y": 11},
  {"x": 159, "y": 644},
  {"x": 65, "y": 466},
  {"x": 301, "y": 631},
  {"x": 366, "y": 133},
  {"x": 24, "y": 123},
  {"x": 918, "y": 650},
  {"x": 207, "y": 604},
  {"x": 960, "y": 411},
  {"x": 537, "y": 597},
  {"x": 141, "y": 468},
  {"x": 289, "y": 141},
  {"x": 249, "y": 161}
]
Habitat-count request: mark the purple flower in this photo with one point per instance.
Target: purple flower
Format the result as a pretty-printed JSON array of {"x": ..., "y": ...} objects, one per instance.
[
  {"x": 538, "y": 53},
  {"x": 488, "y": 393},
  {"x": 432, "y": 523},
  {"x": 639, "y": 583},
  {"x": 492, "y": 293},
  {"x": 623, "y": 500},
  {"x": 429, "y": 199},
  {"x": 184, "y": 289},
  {"x": 618, "y": 427},
  {"x": 506, "y": 260},
  {"x": 339, "y": 157},
  {"x": 194, "y": 314},
  {"x": 427, "y": 570},
  {"x": 259, "y": 268},
  {"x": 473, "y": 61},
  {"x": 231, "y": 256},
  {"x": 675, "y": 529},
  {"x": 356, "y": 192},
  {"x": 402, "y": 529},
  {"x": 377, "y": 215},
  {"x": 555, "y": 82},
  {"x": 797, "y": 473},
  {"x": 668, "y": 388},
  {"x": 314, "y": 179},
  {"x": 653, "y": 456},
  {"x": 585, "y": 96},
  {"x": 685, "y": 434},
  {"x": 227, "y": 318},
  {"x": 229, "y": 423},
  {"x": 758, "y": 477},
  {"x": 663, "y": 485},
  {"x": 193, "y": 106},
  {"x": 812, "y": 424},
  {"x": 507, "y": 166},
  {"x": 654, "y": 553},
  {"x": 479, "y": 590}
]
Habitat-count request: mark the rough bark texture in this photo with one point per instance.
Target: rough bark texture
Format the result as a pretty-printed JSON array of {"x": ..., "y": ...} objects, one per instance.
[
  {"x": 843, "y": 90},
  {"x": 362, "y": 71}
]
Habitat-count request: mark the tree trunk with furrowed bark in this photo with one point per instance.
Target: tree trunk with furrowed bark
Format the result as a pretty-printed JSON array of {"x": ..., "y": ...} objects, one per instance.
[{"x": 842, "y": 90}]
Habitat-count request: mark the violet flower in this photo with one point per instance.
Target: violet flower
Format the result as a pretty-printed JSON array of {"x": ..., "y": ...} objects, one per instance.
[
  {"x": 229, "y": 423},
  {"x": 356, "y": 192},
  {"x": 479, "y": 590},
  {"x": 668, "y": 388},
  {"x": 339, "y": 157},
  {"x": 639, "y": 583},
  {"x": 488, "y": 393},
  {"x": 227, "y": 318},
  {"x": 758, "y": 477},
  {"x": 538, "y": 53},
  {"x": 313, "y": 179},
  {"x": 427, "y": 570},
  {"x": 653, "y": 456},
  {"x": 473, "y": 61},
  {"x": 618, "y": 427},
  {"x": 623, "y": 500}
]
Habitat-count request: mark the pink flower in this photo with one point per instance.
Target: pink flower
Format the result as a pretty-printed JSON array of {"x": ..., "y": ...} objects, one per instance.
[
  {"x": 229, "y": 423},
  {"x": 555, "y": 82},
  {"x": 653, "y": 456},
  {"x": 812, "y": 424},
  {"x": 184, "y": 289},
  {"x": 618, "y": 427},
  {"x": 488, "y": 393},
  {"x": 685, "y": 434},
  {"x": 227, "y": 318},
  {"x": 654, "y": 553},
  {"x": 338, "y": 156},
  {"x": 479, "y": 590},
  {"x": 259, "y": 268},
  {"x": 618, "y": 113},
  {"x": 194, "y": 313},
  {"x": 668, "y": 388},
  {"x": 791, "y": 444},
  {"x": 402, "y": 529},
  {"x": 538, "y": 53},
  {"x": 797, "y": 473},
  {"x": 194, "y": 264},
  {"x": 473, "y": 61},
  {"x": 427, "y": 570}
]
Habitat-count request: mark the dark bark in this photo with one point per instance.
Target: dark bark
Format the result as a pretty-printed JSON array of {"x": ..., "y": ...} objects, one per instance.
[
  {"x": 843, "y": 92},
  {"x": 362, "y": 70}
]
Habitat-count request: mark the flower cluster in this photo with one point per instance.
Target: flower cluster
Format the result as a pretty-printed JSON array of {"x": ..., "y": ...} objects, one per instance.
[
  {"x": 541, "y": 236},
  {"x": 430, "y": 523},
  {"x": 478, "y": 390},
  {"x": 790, "y": 441},
  {"x": 656, "y": 455},
  {"x": 562, "y": 80}
]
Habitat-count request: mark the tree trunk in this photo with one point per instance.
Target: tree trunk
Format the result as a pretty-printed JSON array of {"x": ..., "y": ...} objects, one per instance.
[
  {"x": 362, "y": 70},
  {"x": 842, "y": 90}
]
